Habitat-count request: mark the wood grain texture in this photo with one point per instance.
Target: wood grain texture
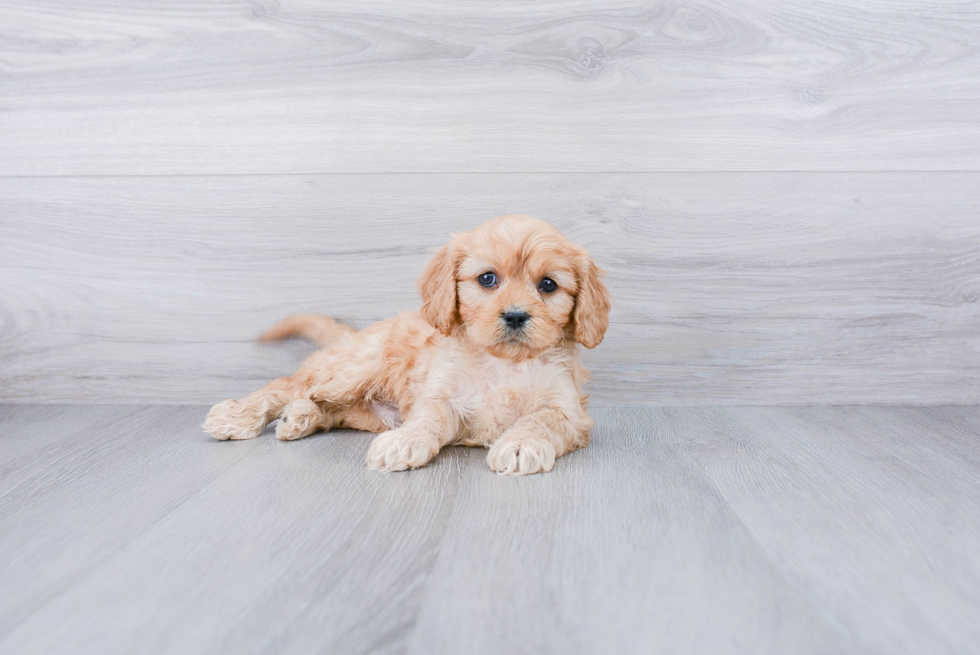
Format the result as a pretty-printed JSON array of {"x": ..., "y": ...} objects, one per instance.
[
  {"x": 108, "y": 87},
  {"x": 633, "y": 552},
  {"x": 776, "y": 466},
  {"x": 678, "y": 530},
  {"x": 74, "y": 493},
  {"x": 728, "y": 288}
]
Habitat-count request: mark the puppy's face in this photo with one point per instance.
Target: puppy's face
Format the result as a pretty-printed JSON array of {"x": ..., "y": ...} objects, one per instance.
[{"x": 516, "y": 286}]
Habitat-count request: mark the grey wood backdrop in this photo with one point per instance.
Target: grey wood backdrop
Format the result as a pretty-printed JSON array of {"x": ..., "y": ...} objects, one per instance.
[{"x": 786, "y": 194}]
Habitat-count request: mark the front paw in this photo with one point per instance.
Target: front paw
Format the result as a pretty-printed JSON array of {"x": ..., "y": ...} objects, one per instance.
[
  {"x": 521, "y": 455},
  {"x": 232, "y": 420},
  {"x": 401, "y": 449}
]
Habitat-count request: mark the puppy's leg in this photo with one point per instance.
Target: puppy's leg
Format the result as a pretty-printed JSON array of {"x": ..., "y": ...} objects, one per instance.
[
  {"x": 429, "y": 427},
  {"x": 534, "y": 441},
  {"x": 246, "y": 418},
  {"x": 361, "y": 418},
  {"x": 301, "y": 418}
]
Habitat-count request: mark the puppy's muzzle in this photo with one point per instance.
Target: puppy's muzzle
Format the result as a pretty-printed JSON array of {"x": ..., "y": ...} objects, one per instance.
[{"x": 515, "y": 319}]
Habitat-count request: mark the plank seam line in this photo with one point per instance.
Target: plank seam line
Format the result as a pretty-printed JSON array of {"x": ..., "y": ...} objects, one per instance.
[{"x": 496, "y": 173}]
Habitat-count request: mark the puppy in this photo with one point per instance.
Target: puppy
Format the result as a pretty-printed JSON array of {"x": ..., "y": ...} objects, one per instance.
[{"x": 490, "y": 359}]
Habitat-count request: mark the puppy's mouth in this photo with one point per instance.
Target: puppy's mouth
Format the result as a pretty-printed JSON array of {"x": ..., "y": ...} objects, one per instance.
[
  {"x": 508, "y": 335},
  {"x": 514, "y": 338}
]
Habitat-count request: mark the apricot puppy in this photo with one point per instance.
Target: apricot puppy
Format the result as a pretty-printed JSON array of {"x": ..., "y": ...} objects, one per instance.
[{"x": 490, "y": 359}]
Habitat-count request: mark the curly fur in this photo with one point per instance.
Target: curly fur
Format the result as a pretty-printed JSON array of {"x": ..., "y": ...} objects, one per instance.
[{"x": 454, "y": 372}]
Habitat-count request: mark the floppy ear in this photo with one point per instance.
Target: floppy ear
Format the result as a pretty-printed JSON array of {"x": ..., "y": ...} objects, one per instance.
[
  {"x": 591, "y": 313},
  {"x": 437, "y": 286}
]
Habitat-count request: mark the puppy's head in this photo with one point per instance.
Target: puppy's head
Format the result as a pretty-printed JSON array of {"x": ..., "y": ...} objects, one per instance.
[{"x": 515, "y": 286}]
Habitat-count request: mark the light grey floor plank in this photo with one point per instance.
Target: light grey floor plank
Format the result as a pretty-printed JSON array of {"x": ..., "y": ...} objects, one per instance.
[
  {"x": 870, "y": 513},
  {"x": 624, "y": 549},
  {"x": 76, "y": 500},
  {"x": 728, "y": 289},
  {"x": 433, "y": 86},
  {"x": 236, "y": 566},
  {"x": 33, "y": 436},
  {"x": 679, "y": 530}
]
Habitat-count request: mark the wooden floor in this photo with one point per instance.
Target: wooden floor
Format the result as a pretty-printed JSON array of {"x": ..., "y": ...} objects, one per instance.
[{"x": 125, "y": 529}]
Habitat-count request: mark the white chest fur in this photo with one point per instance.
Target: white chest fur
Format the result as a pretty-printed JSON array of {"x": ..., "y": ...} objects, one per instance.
[
  {"x": 505, "y": 384},
  {"x": 491, "y": 394}
]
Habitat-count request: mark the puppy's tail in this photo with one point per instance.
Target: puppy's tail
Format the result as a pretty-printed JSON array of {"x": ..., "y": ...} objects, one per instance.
[{"x": 321, "y": 330}]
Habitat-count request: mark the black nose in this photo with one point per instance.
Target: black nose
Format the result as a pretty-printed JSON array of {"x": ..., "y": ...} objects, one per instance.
[{"x": 515, "y": 320}]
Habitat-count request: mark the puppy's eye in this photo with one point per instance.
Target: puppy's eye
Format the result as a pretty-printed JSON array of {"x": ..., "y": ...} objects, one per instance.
[
  {"x": 487, "y": 279},
  {"x": 547, "y": 285}
]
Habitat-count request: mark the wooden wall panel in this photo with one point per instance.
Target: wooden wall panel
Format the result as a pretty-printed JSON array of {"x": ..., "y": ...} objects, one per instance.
[
  {"x": 219, "y": 87},
  {"x": 784, "y": 193},
  {"x": 763, "y": 288}
]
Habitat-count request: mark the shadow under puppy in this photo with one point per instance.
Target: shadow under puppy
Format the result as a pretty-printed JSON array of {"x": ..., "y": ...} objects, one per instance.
[{"x": 490, "y": 359}]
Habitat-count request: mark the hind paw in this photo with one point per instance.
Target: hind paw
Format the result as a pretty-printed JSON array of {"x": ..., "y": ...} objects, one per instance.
[{"x": 231, "y": 420}]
